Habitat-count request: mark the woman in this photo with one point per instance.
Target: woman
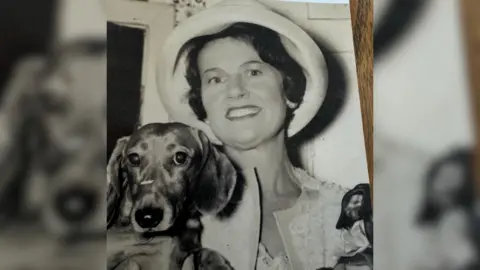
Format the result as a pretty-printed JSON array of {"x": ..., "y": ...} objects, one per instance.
[
  {"x": 356, "y": 225},
  {"x": 252, "y": 79}
]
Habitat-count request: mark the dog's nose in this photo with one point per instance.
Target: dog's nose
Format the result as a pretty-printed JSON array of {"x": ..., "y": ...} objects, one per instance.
[
  {"x": 148, "y": 217},
  {"x": 75, "y": 204}
]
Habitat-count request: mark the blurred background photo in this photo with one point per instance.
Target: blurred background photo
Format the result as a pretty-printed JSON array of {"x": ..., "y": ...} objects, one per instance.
[
  {"x": 424, "y": 138},
  {"x": 53, "y": 95}
]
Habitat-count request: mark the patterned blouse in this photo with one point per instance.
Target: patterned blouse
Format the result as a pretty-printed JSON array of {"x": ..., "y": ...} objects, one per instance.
[
  {"x": 307, "y": 229},
  {"x": 355, "y": 240}
]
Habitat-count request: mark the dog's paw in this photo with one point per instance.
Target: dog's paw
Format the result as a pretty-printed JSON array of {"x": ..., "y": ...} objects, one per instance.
[{"x": 207, "y": 259}]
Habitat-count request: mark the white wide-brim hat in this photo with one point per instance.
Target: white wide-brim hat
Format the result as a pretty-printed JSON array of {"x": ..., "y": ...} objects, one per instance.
[{"x": 173, "y": 87}]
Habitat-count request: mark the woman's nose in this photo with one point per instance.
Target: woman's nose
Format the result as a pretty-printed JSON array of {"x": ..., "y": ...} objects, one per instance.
[{"x": 236, "y": 88}]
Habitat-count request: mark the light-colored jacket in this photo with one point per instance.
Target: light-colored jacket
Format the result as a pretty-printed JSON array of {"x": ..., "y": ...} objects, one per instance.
[{"x": 307, "y": 229}]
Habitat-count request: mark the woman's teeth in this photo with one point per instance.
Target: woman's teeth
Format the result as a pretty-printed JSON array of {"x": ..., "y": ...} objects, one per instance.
[{"x": 242, "y": 112}]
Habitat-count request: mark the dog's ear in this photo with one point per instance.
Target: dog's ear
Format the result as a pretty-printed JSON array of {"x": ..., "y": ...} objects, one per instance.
[
  {"x": 214, "y": 186},
  {"x": 117, "y": 197}
]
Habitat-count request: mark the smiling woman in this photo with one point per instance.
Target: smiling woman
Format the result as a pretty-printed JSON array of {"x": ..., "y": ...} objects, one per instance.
[
  {"x": 254, "y": 80},
  {"x": 259, "y": 87},
  {"x": 246, "y": 87},
  {"x": 242, "y": 60}
]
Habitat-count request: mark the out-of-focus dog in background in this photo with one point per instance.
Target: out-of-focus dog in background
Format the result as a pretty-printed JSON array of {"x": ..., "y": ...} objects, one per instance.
[
  {"x": 52, "y": 144},
  {"x": 68, "y": 162}
]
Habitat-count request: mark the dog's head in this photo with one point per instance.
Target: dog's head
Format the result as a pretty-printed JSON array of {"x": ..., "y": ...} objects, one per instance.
[
  {"x": 159, "y": 171},
  {"x": 67, "y": 181}
]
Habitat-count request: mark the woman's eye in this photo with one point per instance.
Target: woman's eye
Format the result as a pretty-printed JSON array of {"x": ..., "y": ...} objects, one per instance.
[
  {"x": 134, "y": 159},
  {"x": 254, "y": 72},
  {"x": 180, "y": 158},
  {"x": 214, "y": 80}
]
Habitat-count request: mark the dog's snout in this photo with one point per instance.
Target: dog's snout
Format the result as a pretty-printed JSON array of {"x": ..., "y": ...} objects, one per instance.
[
  {"x": 75, "y": 204},
  {"x": 148, "y": 217}
]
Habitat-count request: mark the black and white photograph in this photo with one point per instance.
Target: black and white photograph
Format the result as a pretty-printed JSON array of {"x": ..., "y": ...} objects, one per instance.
[
  {"x": 235, "y": 137},
  {"x": 426, "y": 209},
  {"x": 53, "y": 135}
]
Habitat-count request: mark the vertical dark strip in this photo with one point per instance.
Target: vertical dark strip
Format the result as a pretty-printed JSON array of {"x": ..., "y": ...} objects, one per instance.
[
  {"x": 124, "y": 86},
  {"x": 26, "y": 27}
]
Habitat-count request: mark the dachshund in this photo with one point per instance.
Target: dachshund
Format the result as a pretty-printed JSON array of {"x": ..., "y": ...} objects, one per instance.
[
  {"x": 53, "y": 157},
  {"x": 161, "y": 181},
  {"x": 52, "y": 141},
  {"x": 68, "y": 155}
]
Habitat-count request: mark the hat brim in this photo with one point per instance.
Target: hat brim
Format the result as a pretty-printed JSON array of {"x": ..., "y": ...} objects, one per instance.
[{"x": 173, "y": 87}]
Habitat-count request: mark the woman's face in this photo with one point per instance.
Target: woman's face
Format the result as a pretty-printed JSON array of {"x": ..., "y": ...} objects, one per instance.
[
  {"x": 242, "y": 95},
  {"x": 447, "y": 183},
  {"x": 353, "y": 207}
]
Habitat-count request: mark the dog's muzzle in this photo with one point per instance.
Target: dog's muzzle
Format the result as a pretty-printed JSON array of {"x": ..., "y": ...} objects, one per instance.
[
  {"x": 149, "y": 217},
  {"x": 75, "y": 204}
]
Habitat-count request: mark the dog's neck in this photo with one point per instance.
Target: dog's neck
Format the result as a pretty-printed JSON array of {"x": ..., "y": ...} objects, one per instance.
[{"x": 179, "y": 241}]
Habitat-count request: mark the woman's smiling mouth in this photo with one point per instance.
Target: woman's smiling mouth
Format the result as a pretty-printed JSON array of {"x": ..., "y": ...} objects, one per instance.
[{"x": 243, "y": 112}]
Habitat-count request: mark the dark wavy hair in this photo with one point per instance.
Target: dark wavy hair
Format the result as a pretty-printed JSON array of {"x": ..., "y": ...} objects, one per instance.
[
  {"x": 464, "y": 197},
  {"x": 344, "y": 221},
  {"x": 267, "y": 44},
  {"x": 365, "y": 213}
]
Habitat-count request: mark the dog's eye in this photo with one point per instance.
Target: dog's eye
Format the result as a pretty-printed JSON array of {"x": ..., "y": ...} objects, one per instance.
[
  {"x": 180, "y": 158},
  {"x": 134, "y": 159}
]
